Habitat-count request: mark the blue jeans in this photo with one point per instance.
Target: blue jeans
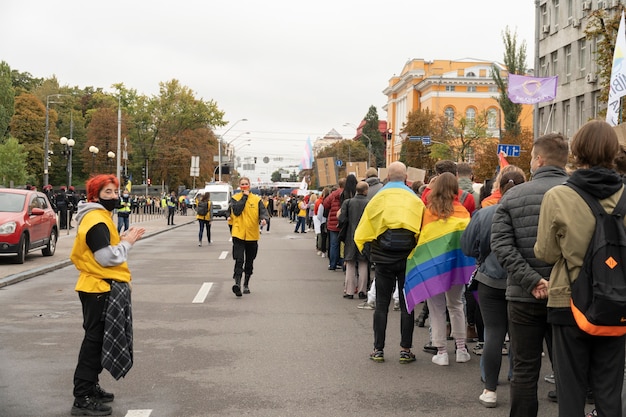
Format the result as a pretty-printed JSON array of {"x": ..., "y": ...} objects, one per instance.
[
  {"x": 122, "y": 222},
  {"x": 528, "y": 327},
  {"x": 333, "y": 251},
  {"x": 300, "y": 224},
  {"x": 203, "y": 224},
  {"x": 386, "y": 277}
]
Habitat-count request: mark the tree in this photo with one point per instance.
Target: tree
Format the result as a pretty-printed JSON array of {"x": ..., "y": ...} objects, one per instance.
[
  {"x": 102, "y": 133},
  {"x": 370, "y": 132},
  {"x": 13, "y": 159},
  {"x": 515, "y": 62},
  {"x": 346, "y": 150},
  {"x": 7, "y": 98},
  {"x": 467, "y": 133},
  {"x": 276, "y": 176},
  {"x": 420, "y": 123}
]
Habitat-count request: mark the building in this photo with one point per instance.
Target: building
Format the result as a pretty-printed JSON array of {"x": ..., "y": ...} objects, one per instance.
[
  {"x": 562, "y": 49},
  {"x": 462, "y": 88}
]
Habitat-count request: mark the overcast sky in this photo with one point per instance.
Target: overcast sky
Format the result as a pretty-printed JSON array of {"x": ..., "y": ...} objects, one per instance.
[{"x": 293, "y": 69}]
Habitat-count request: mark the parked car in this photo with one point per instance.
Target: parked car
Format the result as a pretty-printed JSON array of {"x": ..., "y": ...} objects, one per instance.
[{"x": 27, "y": 223}]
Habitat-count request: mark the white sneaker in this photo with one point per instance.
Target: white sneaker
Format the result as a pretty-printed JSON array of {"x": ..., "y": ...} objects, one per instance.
[
  {"x": 441, "y": 359},
  {"x": 396, "y": 306},
  {"x": 488, "y": 398},
  {"x": 462, "y": 355},
  {"x": 323, "y": 255},
  {"x": 319, "y": 253},
  {"x": 366, "y": 306}
]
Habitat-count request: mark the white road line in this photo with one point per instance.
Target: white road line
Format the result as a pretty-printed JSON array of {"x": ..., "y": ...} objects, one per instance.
[
  {"x": 223, "y": 255},
  {"x": 138, "y": 413},
  {"x": 203, "y": 292}
]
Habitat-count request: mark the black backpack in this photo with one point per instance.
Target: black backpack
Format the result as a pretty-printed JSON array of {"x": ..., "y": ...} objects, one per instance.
[
  {"x": 599, "y": 293},
  {"x": 203, "y": 208}
]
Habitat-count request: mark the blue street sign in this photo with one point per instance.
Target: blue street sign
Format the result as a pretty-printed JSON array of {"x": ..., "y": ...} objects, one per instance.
[
  {"x": 339, "y": 162},
  {"x": 426, "y": 140},
  {"x": 415, "y": 138},
  {"x": 509, "y": 150}
]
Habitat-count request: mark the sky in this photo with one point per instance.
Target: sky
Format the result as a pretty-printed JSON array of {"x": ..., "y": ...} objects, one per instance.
[{"x": 294, "y": 70}]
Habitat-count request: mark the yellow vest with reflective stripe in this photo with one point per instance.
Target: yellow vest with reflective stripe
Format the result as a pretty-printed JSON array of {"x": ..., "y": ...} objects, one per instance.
[{"x": 92, "y": 275}]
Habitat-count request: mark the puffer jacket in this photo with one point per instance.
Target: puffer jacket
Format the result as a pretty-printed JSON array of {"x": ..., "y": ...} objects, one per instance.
[
  {"x": 476, "y": 242},
  {"x": 514, "y": 233},
  {"x": 333, "y": 202}
]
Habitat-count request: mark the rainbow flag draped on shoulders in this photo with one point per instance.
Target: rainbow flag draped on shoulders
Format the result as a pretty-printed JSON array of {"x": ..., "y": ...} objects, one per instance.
[{"x": 437, "y": 262}]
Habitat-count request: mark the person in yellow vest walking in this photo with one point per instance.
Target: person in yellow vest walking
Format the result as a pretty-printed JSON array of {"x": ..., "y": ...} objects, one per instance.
[
  {"x": 100, "y": 254},
  {"x": 247, "y": 212},
  {"x": 171, "y": 208},
  {"x": 204, "y": 216},
  {"x": 123, "y": 213}
]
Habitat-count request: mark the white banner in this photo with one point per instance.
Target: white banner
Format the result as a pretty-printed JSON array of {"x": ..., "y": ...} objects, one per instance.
[{"x": 618, "y": 77}]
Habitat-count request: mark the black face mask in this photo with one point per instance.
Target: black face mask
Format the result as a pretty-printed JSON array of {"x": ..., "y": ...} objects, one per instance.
[{"x": 109, "y": 204}]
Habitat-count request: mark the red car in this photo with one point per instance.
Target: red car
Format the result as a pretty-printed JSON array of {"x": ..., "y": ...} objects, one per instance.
[{"x": 27, "y": 222}]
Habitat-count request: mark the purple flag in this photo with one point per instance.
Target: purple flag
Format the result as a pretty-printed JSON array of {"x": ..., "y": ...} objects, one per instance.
[{"x": 531, "y": 90}]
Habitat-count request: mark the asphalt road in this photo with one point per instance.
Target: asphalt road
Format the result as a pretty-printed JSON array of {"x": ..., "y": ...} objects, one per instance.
[{"x": 294, "y": 347}]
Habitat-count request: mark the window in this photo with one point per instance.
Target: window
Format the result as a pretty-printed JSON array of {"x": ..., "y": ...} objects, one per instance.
[
  {"x": 554, "y": 58},
  {"x": 568, "y": 63},
  {"x": 566, "y": 119},
  {"x": 555, "y": 5},
  {"x": 569, "y": 9},
  {"x": 471, "y": 88},
  {"x": 493, "y": 88},
  {"x": 470, "y": 115},
  {"x": 449, "y": 114},
  {"x": 582, "y": 56},
  {"x": 544, "y": 69},
  {"x": 470, "y": 74},
  {"x": 544, "y": 15},
  {"x": 492, "y": 119},
  {"x": 580, "y": 104},
  {"x": 449, "y": 88}
]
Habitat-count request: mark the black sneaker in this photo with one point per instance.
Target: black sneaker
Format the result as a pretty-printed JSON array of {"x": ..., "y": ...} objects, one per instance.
[
  {"x": 102, "y": 395},
  {"x": 377, "y": 356},
  {"x": 429, "y": 348},
  {"x": 90, "y": 406},
  {"x": 237, "y": 290},
  {"x": 246, "y": 290},
  {"x": 552, "y": 396}
]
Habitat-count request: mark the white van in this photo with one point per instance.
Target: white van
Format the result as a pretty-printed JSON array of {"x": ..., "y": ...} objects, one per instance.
[{"x": 220, "y": 194}]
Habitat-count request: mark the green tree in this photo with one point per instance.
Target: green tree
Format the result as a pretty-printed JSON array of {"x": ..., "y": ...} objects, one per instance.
[
  {"x": 24, "y": 82},
  {"x": 7, "y": 98},
  {"x": 371, "y": 133},
  {"x": 421, "y": 122},
  {"x": 346, "y": 150},
  {"x": 515, "y": 62},
  {"x": 13, "y": 159}
]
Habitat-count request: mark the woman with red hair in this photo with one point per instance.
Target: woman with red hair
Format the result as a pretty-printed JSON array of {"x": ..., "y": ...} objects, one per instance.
[{"x": 100, "y": 253}]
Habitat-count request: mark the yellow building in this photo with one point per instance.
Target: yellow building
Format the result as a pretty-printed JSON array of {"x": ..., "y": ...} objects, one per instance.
[{"x": 456, "y": 89}]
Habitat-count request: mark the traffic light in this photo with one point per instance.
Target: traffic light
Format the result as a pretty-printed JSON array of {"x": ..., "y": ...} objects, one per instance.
[
  {"x": 148, "y": 181},
  {"x": 255, "y": 159}
]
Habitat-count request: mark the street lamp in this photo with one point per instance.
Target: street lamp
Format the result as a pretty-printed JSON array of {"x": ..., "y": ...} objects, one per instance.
[
  {"x": 68, "y": 146},
  {"x": 110, "y": 155},
  {"x": 46, "y": 143},
  {"x": 94, "y": 151},
  {"x": 369, "y": 143},
  {"x": 219, "y": 147}
]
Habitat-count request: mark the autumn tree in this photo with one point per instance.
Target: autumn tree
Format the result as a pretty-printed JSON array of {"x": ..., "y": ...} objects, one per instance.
[
  {"x": 346, "y": 150},
  {"x": 420, "y": 123},
  {"x": 102, "y": 133}
]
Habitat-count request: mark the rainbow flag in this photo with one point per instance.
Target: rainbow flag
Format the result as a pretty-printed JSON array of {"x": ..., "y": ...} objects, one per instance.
[{"x": 437, "y": 262}]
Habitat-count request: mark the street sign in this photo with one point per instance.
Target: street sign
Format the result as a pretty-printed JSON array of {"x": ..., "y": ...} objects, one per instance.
[
  {"x": 425, "y": 140},
  {"x": 339, "y": 163},
  {"x": 415, "y": 138},
  {"x": 509, "y": 150}
]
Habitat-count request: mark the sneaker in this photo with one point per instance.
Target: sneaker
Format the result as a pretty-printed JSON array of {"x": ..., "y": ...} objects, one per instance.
[
  {"x": 237, "y": 290},
  {"x": 441, "y": 359},
  {"x": 429, "y": 348},
  {"x": 319, "y": 253},
  {"x": 377, "y": 356},
  {"x": 488, "y": 398},
  {"x": 366, "y": 306},
  {"x": 592, "y": 413},
  {"x": 246, "y": 290},
  {"x": 362, "y": 295},
  {"x": 462, "y": 355},
  {"x": 102, "y": 395},
  {"x": 90, "y": 406},
  {"x": 199, "y": 243},
  {"x": 478, "y": 349},
  {"x": 396, "y": 306},
  {"x": 406, "y": 356},
  {"x": 549, "y": 378},
  {"x": 323, "y": 255}
]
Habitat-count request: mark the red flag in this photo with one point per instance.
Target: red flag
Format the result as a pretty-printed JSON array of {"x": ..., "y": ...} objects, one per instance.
[{"x": 502, "y": 160}]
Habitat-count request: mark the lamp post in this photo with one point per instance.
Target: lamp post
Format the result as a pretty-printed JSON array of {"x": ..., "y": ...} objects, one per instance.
[
  {"x": 46, "y": 143},
  {"x": 369, "y": 143},
  {"x": 94, "y": 151},
  {"x": 68, "y": 145},
  {"x": 219, "y": 147},
  {"x": 110, "y": 155}
]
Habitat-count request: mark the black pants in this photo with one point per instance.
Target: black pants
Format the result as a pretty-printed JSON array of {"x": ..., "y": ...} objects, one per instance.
[
  {"x": 581, "y": 360},
  {"x": 244, "y": 253},
  {"x": 89, "y": 364},
  {"x": 493, "y": 306},
  {"x": 386, "y": 277},
  {"x": 170, "y": 215}
]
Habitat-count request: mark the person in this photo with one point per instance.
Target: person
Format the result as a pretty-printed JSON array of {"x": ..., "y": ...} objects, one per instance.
[
  {"x": 72, "y": 204},
  {"x": 47, "y": 189},
  {"x": 332, "y": 203},
  {"x": 123, "y": 212},
  {"x": 204, "y": 220},
  {"x": 269, "y": 206},
  {"x": 513, "y": 235},
  {"x": 386, "y": 234},
  {"x": 464, "y": 197},
  {"x": 438, "y": 271},
  {"x": 356, "y": 264},
  {"x": 580, "y": 358},
  {"x": 465, "y": 175},
  {"x": 100, "y": 255},
  {"x": 61, "y": 202},
  {"x": 171, "y": 208},
  {"x": 302, "y": 213},
  {"x": 491, "y": 279},
  {"x": 374, "y": 183},
  {"x": 247, "y": 212},
  {"x": 319, "y": 222},
  {"x": 311, "y": 211}
]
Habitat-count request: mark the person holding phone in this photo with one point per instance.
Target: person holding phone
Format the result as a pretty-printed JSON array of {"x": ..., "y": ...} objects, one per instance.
[{"x": 247, "y": 213}]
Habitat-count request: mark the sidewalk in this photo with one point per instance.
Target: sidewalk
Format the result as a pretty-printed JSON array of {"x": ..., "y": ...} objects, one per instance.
[{"x": 37, "y": 265}]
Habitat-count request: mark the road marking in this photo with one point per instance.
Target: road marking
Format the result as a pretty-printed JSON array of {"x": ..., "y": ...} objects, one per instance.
[
  {"x": 223, "y": 255},
  {"x": 202, "y": 294},
  {"x": 138, "y": 413}
]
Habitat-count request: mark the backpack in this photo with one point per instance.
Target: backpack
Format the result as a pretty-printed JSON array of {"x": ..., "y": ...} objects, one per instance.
[
  {"x": 203, "y": 208},
  {"x": 598, "y": 300}
]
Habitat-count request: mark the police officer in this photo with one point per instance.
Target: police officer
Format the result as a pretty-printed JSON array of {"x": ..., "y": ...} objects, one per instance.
[
  {"x": 61, "y": 201},
  {"x": 72, "y": 204},
  {"x": 123, "y": 212}
]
